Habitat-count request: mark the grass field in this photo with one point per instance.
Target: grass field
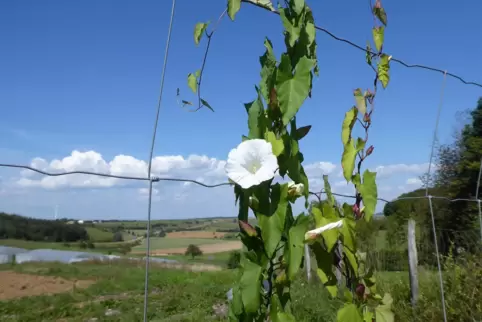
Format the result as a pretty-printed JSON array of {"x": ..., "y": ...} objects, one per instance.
[
  {"x": 175, "y": 295},
  {"x": 99, "y": 235}
]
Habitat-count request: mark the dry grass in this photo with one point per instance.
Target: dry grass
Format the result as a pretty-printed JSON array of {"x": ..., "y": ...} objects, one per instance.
[{"x": 16, "y": 285}]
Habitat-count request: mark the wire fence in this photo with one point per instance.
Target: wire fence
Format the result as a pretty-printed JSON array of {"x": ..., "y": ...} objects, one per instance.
[{"x": 383, "y": 260}]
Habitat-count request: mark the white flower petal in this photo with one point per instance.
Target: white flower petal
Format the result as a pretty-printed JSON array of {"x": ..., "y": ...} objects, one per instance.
[
  {"x": 316, "y": 232},
  {"x": 251, "y": 163}
]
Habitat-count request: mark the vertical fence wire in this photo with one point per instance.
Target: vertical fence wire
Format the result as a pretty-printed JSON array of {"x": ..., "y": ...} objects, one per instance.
[
  {"x": 149, "y": 168},
  {"x": 437, "y": 121}
]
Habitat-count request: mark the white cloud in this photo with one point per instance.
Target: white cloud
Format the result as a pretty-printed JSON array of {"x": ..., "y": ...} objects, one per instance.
[
  {"x": 113, "y": 198},
  {"x": 414, "y": 181}
]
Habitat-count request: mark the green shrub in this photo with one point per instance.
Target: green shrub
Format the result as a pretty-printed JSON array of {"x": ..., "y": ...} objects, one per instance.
[{"x": 234, "y": 259}]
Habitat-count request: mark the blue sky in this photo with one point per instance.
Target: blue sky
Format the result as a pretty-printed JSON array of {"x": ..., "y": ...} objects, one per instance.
[{"x": 84, "y": 76}]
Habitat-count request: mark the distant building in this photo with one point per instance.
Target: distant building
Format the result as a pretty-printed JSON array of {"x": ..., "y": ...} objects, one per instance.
[{"x": 80, "y": 221}]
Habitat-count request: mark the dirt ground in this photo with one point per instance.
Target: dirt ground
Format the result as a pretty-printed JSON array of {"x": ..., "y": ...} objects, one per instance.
[
  {"x": 195, "y": 234},
  {"x": 15, "y": 285},
  {"x": 206, "y": 249}
]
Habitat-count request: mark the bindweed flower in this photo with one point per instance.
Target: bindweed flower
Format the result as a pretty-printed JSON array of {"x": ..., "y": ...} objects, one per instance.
[
  {"x": 360, "y": 290},
  {"x": 313, "y": 234},
  {"x": 251, "y": 163},
  {"x": 295, "y": 190}
]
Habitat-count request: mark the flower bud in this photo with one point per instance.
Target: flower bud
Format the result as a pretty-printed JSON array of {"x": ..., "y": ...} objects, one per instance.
[
  {"x": 295, "y": 190},
  {"x": 247, "y": 228},
  {"x": 366, "y": 118},
  {"x": 356, "y": 211},
  {"x": 369, "y": 150},
  {"x": 360, "y": 290},
  {"x": 253, "y": 202}
]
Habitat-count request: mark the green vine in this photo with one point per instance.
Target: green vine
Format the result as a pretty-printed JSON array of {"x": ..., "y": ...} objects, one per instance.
[{"x": 274, "y": 248}]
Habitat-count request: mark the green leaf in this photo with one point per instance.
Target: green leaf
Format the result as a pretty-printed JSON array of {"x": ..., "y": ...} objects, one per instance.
[
  {"x": 198, "y": 31},
  {"x": 250, "y": 286},
  {"x": 289, "y": 23},
  {"x": 360, "y": 144},
  {"x": 368, "y": 56},
  {"x": 368, "y": 191},
  {"x": 348, "y": 229},
  {"x": 192, "y": 81},
  {"x": 237, "y": 302},
  {"x": 348, "y": 123},
  {"x": 324, "y": 271},
  {"x": 349, "y": 313},
  {"x": 268, "y": 67},
  {"x": 296, "y": 238},
  {"x": 360, "y": 100},
  {"x": 383, "y": 70},
  {"x": 292, "y": 89},
  {"x": 256, "y": 118},
  {"x": 329, "y": 195},
  {"x": 368, "y": 316},
  {"x": 378, "y": 37},
  {"x": 321, "y": 219},
  {"x": 277, "y": 144},
  {"x": 302, "y": 131},
  {"x": 206, "y": 104},
  {"x": 348, "y": 160},
  {"x": 297, "y": 6},
  {"x": 381, "y": 15},
  {"x": 233, "y": 8},
  {"x": 272, "y": 226},
  {"x": 383, "y": 313}
]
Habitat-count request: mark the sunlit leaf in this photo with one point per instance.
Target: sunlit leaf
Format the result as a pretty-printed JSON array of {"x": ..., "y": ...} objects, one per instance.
[
  {"x": 250, "y": 285},
  {"x": 378, "y": 37},
  {"x": 272, "y": 225},
  {"x": 360, "y": 100},
  {"x": 383, "y": 70},
  {"x": 296, "y": 244},
  {"x": 293, "y": 89},
  {"x": 199, "y": 31},
  {"x": 233, "y": 8},
  {"x": 348, "y": 123},
  {"x": 383, "y": 312},
  {"x": 380, "y": 14},
  {"x": 192, "y": 81},
  {"x": 349, "y": 313},
  {"x": 368, "y": 191},
  {"x": 276, "y": 143},
  {"x": 256, "y": 119}
]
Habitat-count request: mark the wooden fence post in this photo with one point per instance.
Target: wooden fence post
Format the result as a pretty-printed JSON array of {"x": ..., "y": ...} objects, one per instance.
[
  {"x": 412, "y": 261},
  {"x": 308, "y": 263}
]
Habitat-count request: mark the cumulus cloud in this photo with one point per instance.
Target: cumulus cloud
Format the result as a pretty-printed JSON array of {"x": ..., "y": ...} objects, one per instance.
[{"x": 126, "y": 198}]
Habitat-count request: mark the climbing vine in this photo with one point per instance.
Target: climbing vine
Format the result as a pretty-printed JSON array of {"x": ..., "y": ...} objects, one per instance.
[{"x": 274, "y": 248}]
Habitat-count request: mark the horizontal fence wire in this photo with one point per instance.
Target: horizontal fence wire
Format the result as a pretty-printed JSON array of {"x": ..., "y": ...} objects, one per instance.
[{"x": 221, "y": 184}]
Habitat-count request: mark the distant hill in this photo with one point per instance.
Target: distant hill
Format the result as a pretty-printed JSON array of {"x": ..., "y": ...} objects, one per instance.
[{"x": 19, "y": 227}]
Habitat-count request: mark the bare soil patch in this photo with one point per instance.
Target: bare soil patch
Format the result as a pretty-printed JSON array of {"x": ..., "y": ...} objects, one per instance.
[
  {"x": 206, "y": 249},
  {"x": 195, "y": 234},
  {"x": 16, "y": 285}
]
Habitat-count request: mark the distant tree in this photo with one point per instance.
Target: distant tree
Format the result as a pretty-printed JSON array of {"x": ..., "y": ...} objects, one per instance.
[
  {"x": 90, "y": 245},
  {"x": 117, "y": 237},
  {"x": 161, "y": 233},
  {"x": 193, "y": 251}
]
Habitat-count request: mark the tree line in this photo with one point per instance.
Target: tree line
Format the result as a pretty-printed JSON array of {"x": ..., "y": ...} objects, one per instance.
[
  {"x": 19, "y": 227},
  {"x": 456, "y": 176}
]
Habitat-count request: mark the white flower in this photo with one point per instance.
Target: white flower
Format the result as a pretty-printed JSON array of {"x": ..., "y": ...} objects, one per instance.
[
  {"x": 312, "y": 234},
  {"x": 296, "y": 189},
  {"x": 251, "y": 163}
]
